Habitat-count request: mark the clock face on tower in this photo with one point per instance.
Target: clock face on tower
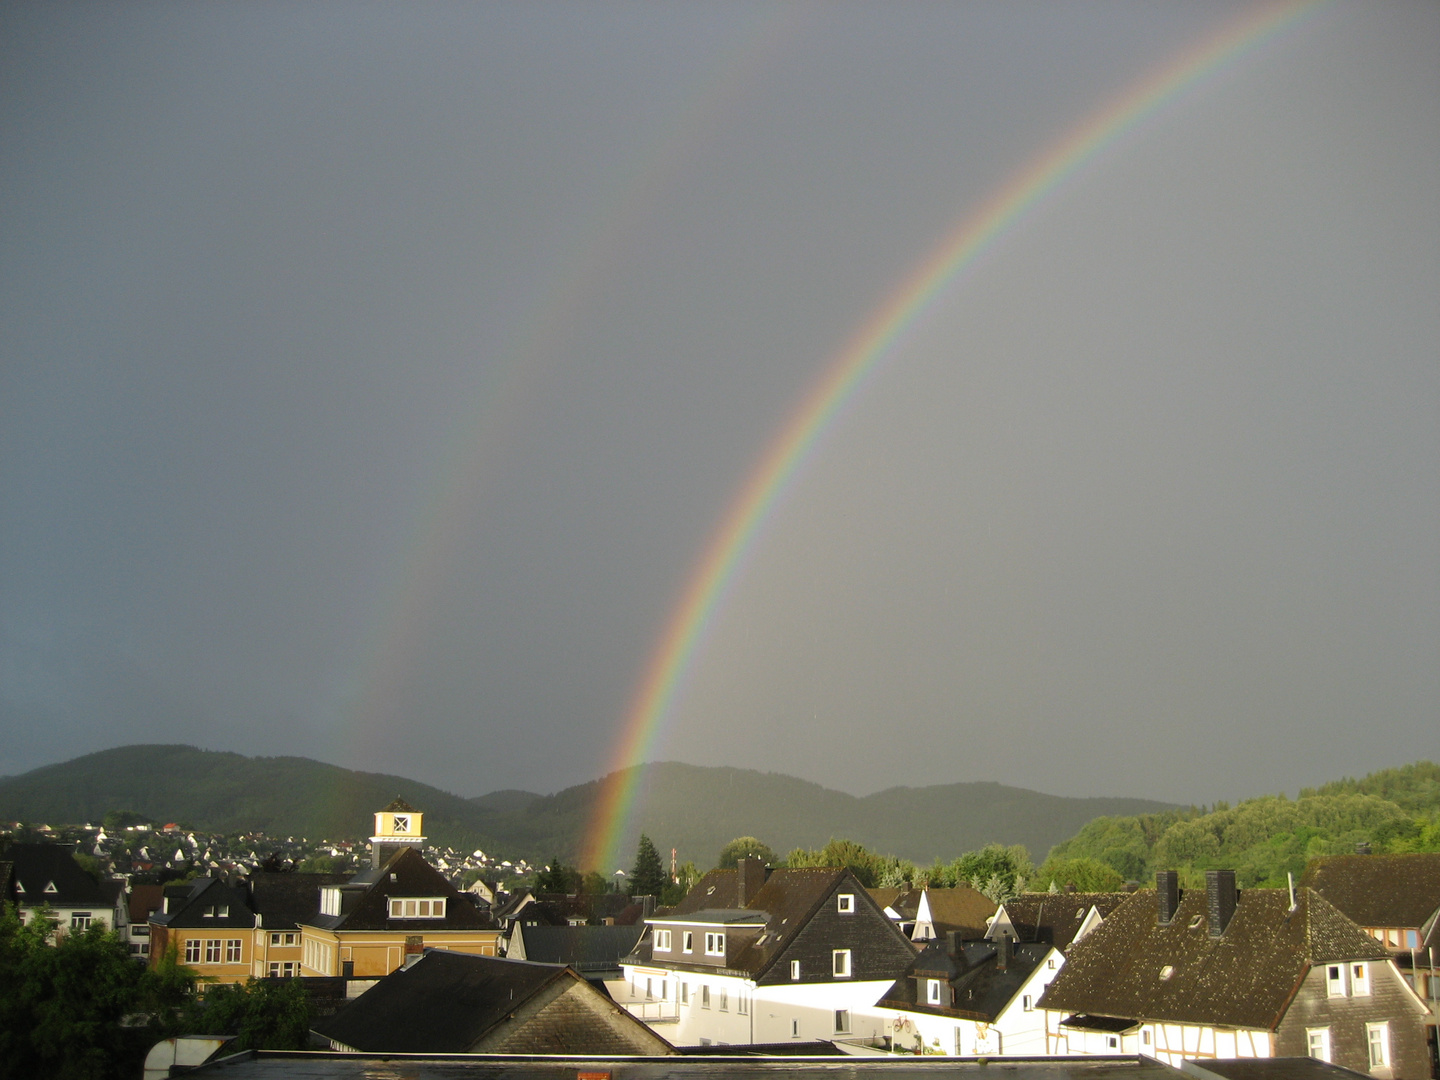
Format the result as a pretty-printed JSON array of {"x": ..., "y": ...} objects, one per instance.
[{"x": 401, "y": 822}]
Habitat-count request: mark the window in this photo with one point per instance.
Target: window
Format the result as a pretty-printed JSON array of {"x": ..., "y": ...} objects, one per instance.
[
  {"x": 846, "y": 903},
  {"x": 688, "y": 941},
  {"x": 724, "y": 1000},
  {"x": 715, "y": 944},
  {"x": 192, "y": 951},
  {"x": 841, "y": 963},
  {"x": 1392, "y": 938},
  {"x": 932, "y": 991},
  {"x": 1112, "y": 1042},
  {"x": 1412, "y": 939},
  {"x": 284, "y": 970},
  {"x": 212, "y": 951},
  {"x": 274, "y": 941},
  {"x": 1334, "y": 983},
  {"x": 842, "y": 1021},
  {"x": 794, "y": 969},
  {"x": 290, "y": 939},
  {"x": 402, "y": 822},
  {"x": 742, "y": 1002},
  {"x": 80, "y": 920},
  {"x": 684, "y": 993},
  {"x": 794, "y": 1029},
  {"x": 329, "y": 901},
  {"x": 407, "y": 908},
  {"x": 704, "y": 995},
  {"x": 649, "y": 990},
  {"x": 1027, "y": 1003},
  {"x": 1317, "y": 1041},
  {"x": 232, "y": 951},
  {"x": 1359, "y": 980},
  {"x": 1378, "y": 1036},
  {"x": 1050, "y": 963},
  {"x": 1145, "y": 1036},
  {"x": 662, "y": 940}
]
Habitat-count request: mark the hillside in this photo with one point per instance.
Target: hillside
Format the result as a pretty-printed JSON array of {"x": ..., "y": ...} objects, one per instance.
[
  {"x": 692, "y": 808},
  {"x": 1263, "y": 839}
]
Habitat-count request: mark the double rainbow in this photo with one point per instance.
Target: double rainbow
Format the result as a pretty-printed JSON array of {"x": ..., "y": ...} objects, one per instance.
[{"x": 757, "y": 500}]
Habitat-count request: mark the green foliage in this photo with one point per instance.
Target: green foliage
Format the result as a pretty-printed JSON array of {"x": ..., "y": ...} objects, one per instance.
[
  {"x": 119, "y": 820},
  {"x": 743, "y": 846},
  {"x": 322, "y": 864},
  {"x": 648, "y": 878},
  {"x": 558, "y": 878},
  {"x": 62, "y": 1004},
  {"x": 997, "y": 871},
  {"x": 594, "y": 883},
  {"x": 1087, "y": 875},
  {"x": 1263, "y": 839},
  {"x": 266, "y": 1014}
]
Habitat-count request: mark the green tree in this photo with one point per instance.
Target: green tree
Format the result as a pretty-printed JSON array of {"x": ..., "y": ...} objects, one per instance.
[
  {"x": 265, "y": 1014},
  {"x": 649, "y": 877},
  {"x": 558, "y": 878},
  {"x": 743, "y": 846},
  {"x": 1087, "y": 875},
  {"x": 594, "y": 883},
  {"x": 995, "y": 869}
]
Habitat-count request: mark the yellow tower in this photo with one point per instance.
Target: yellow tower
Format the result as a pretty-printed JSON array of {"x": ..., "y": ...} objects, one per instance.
[{"x": 398, "y": 826}]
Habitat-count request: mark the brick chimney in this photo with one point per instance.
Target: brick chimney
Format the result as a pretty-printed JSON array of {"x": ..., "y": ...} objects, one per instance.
[
  {"x": 1002, "y": 953},
  {"x": 1167, "y": 893},
  {"x": 749, "y": 876},
  {"x": 1220, "y": 899}
]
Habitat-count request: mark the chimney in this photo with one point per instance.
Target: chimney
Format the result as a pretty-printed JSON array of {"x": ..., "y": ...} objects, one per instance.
[
  {"x": 1220, "y": 899},
  {"x": 1167, "y": 892},
  {"x": 1002, "y": 953},
  {"x": 749, "y": 876},
  {"x": 953, "y": 948},
  {"x": 1069, "y": 886}
]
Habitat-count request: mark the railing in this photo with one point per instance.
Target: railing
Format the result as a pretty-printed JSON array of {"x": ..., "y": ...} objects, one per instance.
[{"x": 653, "y": 1012}]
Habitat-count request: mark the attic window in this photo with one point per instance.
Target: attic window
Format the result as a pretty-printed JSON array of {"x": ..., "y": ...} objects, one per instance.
[
  {"x": 1167, "y": 971},
  {"x": 845, "y": 903},
  {"x": 50, "y": 888},
  {"x": 1196, "y": 921}
]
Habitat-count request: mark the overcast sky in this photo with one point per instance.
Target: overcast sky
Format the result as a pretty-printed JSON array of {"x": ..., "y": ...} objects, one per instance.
[{"x": 373, "y": 378}]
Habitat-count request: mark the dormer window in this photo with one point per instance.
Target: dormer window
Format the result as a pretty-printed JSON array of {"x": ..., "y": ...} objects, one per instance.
[
  {"x": 845, "y": 903},
  {"x": 50, "y": 888},
  {"x": 662, "y": 940},
  {"x": 715, "y": 944},
  {"x": 430, "y": 907},
  {"x": 688, "y": 941},
  {"x": 1335, "y": 980},
  {"x": 932, "y": 991},
  {"x": 1167, "y": 971},
  {"x": 1360, "y": 980}
]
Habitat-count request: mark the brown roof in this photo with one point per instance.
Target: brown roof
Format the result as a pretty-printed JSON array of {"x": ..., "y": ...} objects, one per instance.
[
  {"x": 1055, "y": 918},
  {"x": 1244, "y": 978},
  {"x": 1379, "y": 890},
  {"x": 145, "y": 899},
  {"x": 885, "y": 897},
  {"x": 961, "y": 908}
]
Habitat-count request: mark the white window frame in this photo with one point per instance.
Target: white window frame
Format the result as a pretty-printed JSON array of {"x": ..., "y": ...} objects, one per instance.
[
  {"x": 932, "y": 991},
  {"x": 1027, "y": 1003},
  {"x": 274, "y": 941},
  {"x": 840, "y": 963},
  {"x": 1360, "y": 979},
  {"x": 845, "y": 903},
  {"x": 1318, "y": 1039},
  {"x": 417, "y": 907},
  {"x": 81, "y": 920},
  {"x": 794, "y": 970},
  {"x": 662, "y": 940},
  {"x": 1335, "y": 981},
  {"x": 715, "y": 943},
  {"x": 742, "y": 1002},
  {"x": 213, "y": 950},
  {"x": 687, "y": 941},
  {"x": 842, "y": 1021},
  {"x": 724, "y": 1003},
  {"x": 1377, "y": 1044},
  {"x": 684, "y": 993},
  {"x": 704, "y": 995},
  {"x": 234, "y": 950},
  {"x": 192, "y": 950}
]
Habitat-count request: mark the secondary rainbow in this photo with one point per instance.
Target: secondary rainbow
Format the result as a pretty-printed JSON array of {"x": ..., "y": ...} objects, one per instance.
[{"x": 843, "y": 376}]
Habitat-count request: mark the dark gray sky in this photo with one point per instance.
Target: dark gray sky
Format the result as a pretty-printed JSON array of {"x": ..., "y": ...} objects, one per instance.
[{"x": 373, "y": 377}]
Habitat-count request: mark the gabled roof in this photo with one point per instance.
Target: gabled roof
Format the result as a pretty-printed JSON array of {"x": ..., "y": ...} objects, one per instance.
[
  {"x": 585, "y": 948},
  {"x": 452, "y": 1002},
  {"x": 203, "y": 905},
  {"x": 145, "y": 899},
  {"x": 282, "y": 900},
  {"x": 981, "y": 990},
  {"x": 406, "y": 873},
  {"x": 1244, "y": 978},
  {"x": 48, "y": 874},
  {"x": 1055, "y": 918},
  {"x": 1379, "y": 890},
  {"x": 886, "y": 897},
  {"x": 786, "y": 902},
  {"x": 961, "y": 909}
]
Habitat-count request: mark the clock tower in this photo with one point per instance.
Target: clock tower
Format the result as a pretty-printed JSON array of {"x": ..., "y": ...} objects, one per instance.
[{"x": 397, "y": 826}]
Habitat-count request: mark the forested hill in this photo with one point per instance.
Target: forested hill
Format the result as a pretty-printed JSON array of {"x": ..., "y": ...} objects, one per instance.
[
  {"x": 1394, "y": 810},
  {"x": 691, "y": 808}
]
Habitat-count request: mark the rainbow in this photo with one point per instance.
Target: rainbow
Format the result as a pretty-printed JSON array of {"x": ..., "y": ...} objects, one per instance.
[{"x": 847, "y": 373}]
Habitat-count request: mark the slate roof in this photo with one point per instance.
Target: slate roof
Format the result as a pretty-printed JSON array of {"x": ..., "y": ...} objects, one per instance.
[
  {"x": 1379, "y": 890},
  {"x": 1055, "y": 918},
  {"x": 585, "y": 948},
  {"x": 399, "y": 806},
  {"x": 1245, "y": 978},
  {"x": 200, "y": 907},
  {"x": 788, "y": 899},
  {"x": 413, "y": 876},
  {"x": 447, "y": 1002},
  {"x": 33, "y": 867},
  {"x": 886, "y": 897},
  {"x": 282, "y": 900},
  {"x": 981, "y": 989}
]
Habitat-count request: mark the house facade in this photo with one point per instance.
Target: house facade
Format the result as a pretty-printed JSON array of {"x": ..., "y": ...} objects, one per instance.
[
  {"x": 757, "y": 955},
  {"x": 38, "y": 877},
  {"x": 1179, "y": 975}
]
